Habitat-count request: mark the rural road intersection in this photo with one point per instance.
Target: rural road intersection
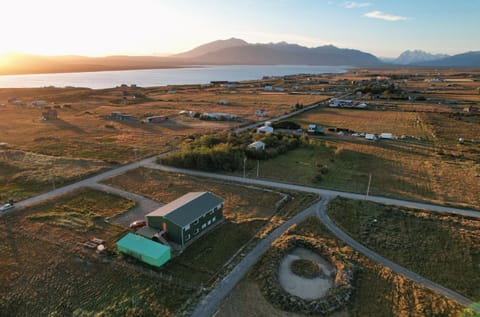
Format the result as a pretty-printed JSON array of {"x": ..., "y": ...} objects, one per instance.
[{"x": 211, "y": 301}]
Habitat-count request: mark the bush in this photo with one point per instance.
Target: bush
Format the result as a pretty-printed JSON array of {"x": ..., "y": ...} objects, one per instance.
[
  {"x": 226, "y": 151},
  {"x": 286, "y": 125},
  {"x": 305, "y": 268}
]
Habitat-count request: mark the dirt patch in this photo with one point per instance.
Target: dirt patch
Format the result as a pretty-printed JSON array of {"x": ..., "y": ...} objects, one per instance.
[{"x": 302, "y": 287}]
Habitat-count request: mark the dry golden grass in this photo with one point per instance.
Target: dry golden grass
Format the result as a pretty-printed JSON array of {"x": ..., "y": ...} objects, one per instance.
[
  {"x": 241, "y": 103},
  {"x": 23, "y": 174},
  {"x": 45, "y": 272},
  {"x": 443, "y": 248},
  {"x": 241, "y": 203},
  {"x": 378, "y": 290},
  {"x": 396, "y": 122}
]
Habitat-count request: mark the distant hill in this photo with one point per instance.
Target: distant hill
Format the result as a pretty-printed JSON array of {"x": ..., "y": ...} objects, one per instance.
[
  {"x": 211, "y": 47},
  {"x": 232, "y": 51},
  {"x": 470, "y": 59},
  {"x": 36, "y": 64},
  {"x": 416, "y": 57},
  {"x": 281, "y": 53}
]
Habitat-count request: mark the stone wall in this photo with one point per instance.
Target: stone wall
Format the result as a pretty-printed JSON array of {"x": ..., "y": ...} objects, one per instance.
[{"x": 335, "y": 299}]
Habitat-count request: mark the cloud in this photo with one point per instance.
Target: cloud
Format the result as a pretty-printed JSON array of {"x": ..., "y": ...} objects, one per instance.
[
  {"x": 354, "y": 5},
  {"x": 384, "y": 16}
]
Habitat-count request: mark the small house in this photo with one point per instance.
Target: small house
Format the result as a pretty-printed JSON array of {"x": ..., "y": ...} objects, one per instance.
[
  {"x": 118, "y": 116},
  {"x": 257, "y": 145},
  {"x": 155, "y": 119},
  {"x": 260, "y": 113},
  {"x": 223, "y": 102},
  {"x": 50, "y": 114},
  {"x": 370, "y": 136},
  {"x": 220, "y": 116},
  {"x": 39, "y": 103},
  {"x": 187, "y": 217},
  {"x": 386, "y": 136},
  {"x": 148, "y": 251},
  {"x": 266, "y": 129},
  {"x": 268, "y": 88}
]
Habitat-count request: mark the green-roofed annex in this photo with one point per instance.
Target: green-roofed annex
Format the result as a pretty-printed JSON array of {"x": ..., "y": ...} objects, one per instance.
[{"x": 148, "y": 251}]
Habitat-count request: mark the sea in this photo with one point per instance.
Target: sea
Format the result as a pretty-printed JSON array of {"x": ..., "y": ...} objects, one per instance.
[{"x": 161, "y": 77}]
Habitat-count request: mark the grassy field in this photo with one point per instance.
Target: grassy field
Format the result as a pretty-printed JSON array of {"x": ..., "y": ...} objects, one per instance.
[
  {"x": 46, "y": 272},
  {"x": 24, "y": 174},
  {"x": 443, "y": 248},
  {"x": 435, "y": 168},
  {"x": 378, "y": 291},
  {"x": 83, "y": 136},
  {"x": 367, "y": 121}
]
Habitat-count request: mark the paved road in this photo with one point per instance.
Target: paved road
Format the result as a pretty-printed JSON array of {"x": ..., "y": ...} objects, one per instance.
[
  {"x": 321, "y": 192},
  {"x": 212, "y": 300},
  {"x": 282, "y": 117},
  {"x": 91, "y": 181},
  {"x": 206, "y": 307},
  {"x": 144, "y": 205},
  {"x": 225, "y": 286},
  {"x": 322, "y": 215}
]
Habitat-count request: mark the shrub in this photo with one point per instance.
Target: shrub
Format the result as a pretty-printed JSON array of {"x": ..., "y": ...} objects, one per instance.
[{"x": 305, "y": 268}]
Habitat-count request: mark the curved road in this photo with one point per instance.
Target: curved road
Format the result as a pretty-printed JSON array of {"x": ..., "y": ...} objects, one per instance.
[
  {"x": 87, "y": 182},
  {"x": 321, "y": 192},
  {"x": 208, "y": 305},
  {"x": 322, "y": 215}
]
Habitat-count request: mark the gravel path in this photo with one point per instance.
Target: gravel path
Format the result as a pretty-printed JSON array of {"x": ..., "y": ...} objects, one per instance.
[{"x": 144, "y": 205}]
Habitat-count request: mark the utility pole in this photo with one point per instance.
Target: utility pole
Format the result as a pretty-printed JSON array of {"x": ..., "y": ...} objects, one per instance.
[
  {"x": 368, "y": 187},
  {"x": 258, "y": 167},
  {"x": 244, "y": 162},
  {"x": 52, "y": 176}
]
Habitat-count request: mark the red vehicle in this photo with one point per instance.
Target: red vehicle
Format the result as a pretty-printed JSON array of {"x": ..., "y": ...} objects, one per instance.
[{"x": 137, "y": 224}]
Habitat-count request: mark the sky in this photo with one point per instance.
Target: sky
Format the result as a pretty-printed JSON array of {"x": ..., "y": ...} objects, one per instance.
[{"x": 146, "y": 27}]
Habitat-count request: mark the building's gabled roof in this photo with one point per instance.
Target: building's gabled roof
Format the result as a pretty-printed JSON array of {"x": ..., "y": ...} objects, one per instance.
[
  {"x": 143, "y": 246},
  {"x": 186, "y": 209}
]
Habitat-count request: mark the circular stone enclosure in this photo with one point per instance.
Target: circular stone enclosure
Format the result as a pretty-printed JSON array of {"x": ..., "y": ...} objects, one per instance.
[
  {"x": 322, "y": 295},
  {"x": 301, "y": 286}
]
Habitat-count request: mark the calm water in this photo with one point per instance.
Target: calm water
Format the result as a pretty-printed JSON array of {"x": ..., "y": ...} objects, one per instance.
[{"x": 160, "y": 77}]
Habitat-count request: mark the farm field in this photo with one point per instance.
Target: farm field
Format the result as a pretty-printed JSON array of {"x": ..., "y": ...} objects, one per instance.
[
  {"x": 46, "y": 270},
  {"x": 83, "y": 140},
  {"x": 250, "y": 213},
  {"x": 433, "y": 166},
  {"x": 378, "y": 291},
  {"x": 399, "y": 169},
  {"x": 443, "y": 248},
  {"x": 53, "y": 233},
  {"x": 25, "y": 174}
]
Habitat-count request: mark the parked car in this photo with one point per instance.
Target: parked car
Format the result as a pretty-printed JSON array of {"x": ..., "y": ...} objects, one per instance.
[
  {"x": 137, "y": 224},
  {"x": 6, "y": 207}
]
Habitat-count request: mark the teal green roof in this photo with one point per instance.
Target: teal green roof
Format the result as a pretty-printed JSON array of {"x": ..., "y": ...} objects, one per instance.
[{"x": 143, "y": 246}]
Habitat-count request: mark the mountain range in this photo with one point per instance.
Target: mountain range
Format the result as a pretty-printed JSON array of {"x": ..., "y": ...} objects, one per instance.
[
  {"x": 238, "y": 52},
  {"x": 233, "y": 52},
  {"x": 417, "y": 56}
]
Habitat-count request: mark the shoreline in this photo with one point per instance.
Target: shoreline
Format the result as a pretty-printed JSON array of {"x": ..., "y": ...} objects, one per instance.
[
  {"x": 163, "y": 76},
  {"x": 106, "y": 69}
]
